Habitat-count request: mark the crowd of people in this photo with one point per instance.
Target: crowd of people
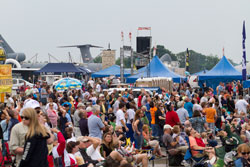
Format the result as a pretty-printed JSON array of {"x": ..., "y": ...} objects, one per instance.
[{"x": 95, "y": 127}]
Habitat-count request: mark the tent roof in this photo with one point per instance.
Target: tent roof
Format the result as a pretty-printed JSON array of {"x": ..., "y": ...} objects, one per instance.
[
  {"x": 84, "y": 70},
  {"x": 201, "y": 72},
  {"x": 58, "y": 69},
  {"x": 223, "y": 69},
  {"x": 110, "y": 71},
  {"x": 246, "y": 84},
  {"x": 157, "y": 69}
]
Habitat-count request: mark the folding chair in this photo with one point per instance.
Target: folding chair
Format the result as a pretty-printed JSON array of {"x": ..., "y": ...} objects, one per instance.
[
  {"x": 6, "y": 159},
  {"x": 190, "y": 158}
]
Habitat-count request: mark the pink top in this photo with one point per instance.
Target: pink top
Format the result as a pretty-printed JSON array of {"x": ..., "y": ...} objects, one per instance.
[
  {"x": 52, "y": 117},
  {"x": 89, "y": 113}
]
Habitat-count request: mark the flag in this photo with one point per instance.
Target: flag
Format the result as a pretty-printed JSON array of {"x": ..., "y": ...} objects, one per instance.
[
  {"x": 244, "y": 71},
  {"x": 122, "y": 35},
  {"x": 144, "y": 28},
  {"x": 135, "y": 69},
  {"x": 130, "y": 36},
  {"x": 187, "y": 60},
  {"x": 154, "y": 51}
]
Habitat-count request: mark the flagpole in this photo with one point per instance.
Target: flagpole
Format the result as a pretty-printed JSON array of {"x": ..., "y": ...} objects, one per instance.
[
  {"x": 122, "y": 59},
  {"x": 132, "y": 56}
]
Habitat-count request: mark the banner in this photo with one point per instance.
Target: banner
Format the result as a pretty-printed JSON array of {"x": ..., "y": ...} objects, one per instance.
[
  {"x": 187, "y": 61},
  {"x": 5, "y": 78},
  {"x": 244, "y": 70},
  {"x": 2, "y": 54},
  {"x": 144, "y": 28}
]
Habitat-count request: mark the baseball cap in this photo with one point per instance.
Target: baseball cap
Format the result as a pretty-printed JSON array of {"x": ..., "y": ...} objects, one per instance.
[
  {"x": 168, "y": 127},
  {"x": 31, "y": 104}
]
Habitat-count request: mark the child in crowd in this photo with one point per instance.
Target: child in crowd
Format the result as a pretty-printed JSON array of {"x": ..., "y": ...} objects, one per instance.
[{"x": 176, "y": 132}]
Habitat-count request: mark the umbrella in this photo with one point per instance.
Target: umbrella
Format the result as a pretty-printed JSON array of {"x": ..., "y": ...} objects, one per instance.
[{"x": 68, "y": 83}]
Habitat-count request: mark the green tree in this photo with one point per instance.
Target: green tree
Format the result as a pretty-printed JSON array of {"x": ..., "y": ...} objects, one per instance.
[
  {"x": 161, "y": 50},
  {"x": 98, "y": 59},
  {"x": 197, "y": 61},
  {"x": 127, "y": 62}
]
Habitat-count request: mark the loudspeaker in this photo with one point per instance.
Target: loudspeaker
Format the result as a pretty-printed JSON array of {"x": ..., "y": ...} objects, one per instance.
[{"x": 143, "y": 45}]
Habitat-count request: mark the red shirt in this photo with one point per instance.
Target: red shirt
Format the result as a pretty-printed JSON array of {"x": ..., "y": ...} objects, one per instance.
[
  {"x": 200, "y": 142},
  {"x": 172, "y": 118},
  {"x": 139, "y": 101}
]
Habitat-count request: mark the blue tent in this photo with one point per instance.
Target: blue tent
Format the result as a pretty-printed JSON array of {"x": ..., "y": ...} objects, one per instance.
[
  {"x": 201, "y": 72},
  {"x": 157, "y": 69},
  {"x": 223, "y": 71},
  {"x": 58, "y": 69},
  {"x": 246, "y": 84},
  {"x": 112, "y": 70}
]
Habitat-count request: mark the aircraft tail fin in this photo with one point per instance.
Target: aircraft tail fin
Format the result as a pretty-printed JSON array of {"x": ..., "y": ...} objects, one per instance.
[{"x": 5, "y": 45}]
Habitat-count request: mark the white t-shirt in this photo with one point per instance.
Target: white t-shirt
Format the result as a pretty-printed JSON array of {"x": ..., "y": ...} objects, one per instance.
[
  {"x": 220, "y": 98},
  {"x": 116, "y": 106},
  {"x": 91, "y": 83},
  {"x": 98, "y": 88},
  {"x": 10, "y": 102},
  {"x": 94, "y": 153},
  {"x": 241, "y": 106},
  {"x": 35, "y": 90},
  {"x": 203, "y": 99},
  {"x": 131, "y": 115},
  {"x": 197, "y": 107},
  {"x": 120, "y": 116},
  {"x": 144, "y": 100}
]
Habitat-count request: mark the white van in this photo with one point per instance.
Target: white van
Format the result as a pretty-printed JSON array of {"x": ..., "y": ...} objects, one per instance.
[{"x": 19, "y": 82}]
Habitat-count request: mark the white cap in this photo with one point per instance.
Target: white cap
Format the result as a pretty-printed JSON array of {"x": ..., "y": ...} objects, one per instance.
[
  {"x": 167, "y": 127},
  {"x": 101, "y": 95},
  {"x": 30, "y": 103}
]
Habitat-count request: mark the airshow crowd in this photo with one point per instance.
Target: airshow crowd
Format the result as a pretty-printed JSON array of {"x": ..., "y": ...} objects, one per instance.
[{"x": 94, "y": 126}]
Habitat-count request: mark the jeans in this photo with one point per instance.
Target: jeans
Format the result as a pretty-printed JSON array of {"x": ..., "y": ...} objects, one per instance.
[
  {"x": 160, "y": 133},
  {"x": 138, "y": 140},
  {"x": 218, "y": 123},
  {"x": 154, "y": 130}
]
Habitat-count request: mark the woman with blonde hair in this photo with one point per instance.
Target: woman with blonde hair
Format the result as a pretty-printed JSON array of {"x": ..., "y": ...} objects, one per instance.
[
  {"x": 107, "y": 144},
  {"x": 35, "y": 148},
  {"x": 152, "y": 143}
]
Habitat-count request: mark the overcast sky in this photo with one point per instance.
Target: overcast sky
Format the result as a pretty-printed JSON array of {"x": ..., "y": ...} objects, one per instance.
[{"x": 39, "y": 26}]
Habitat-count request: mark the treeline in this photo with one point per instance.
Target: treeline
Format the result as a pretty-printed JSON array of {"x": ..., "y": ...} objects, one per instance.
[{"x": 197, "y": 61}]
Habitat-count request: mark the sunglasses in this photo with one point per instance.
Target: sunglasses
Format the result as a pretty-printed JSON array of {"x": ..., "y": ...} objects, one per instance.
[
  {"x": 25, "y": 118},
  {"x": 244, "y": 153}
]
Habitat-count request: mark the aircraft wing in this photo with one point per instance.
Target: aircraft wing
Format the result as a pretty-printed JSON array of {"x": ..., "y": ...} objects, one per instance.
[{"x": 80, "y": 46}]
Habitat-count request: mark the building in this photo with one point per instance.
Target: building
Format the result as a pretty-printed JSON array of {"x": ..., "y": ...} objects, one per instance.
[{"x": 108, "y": 58}]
